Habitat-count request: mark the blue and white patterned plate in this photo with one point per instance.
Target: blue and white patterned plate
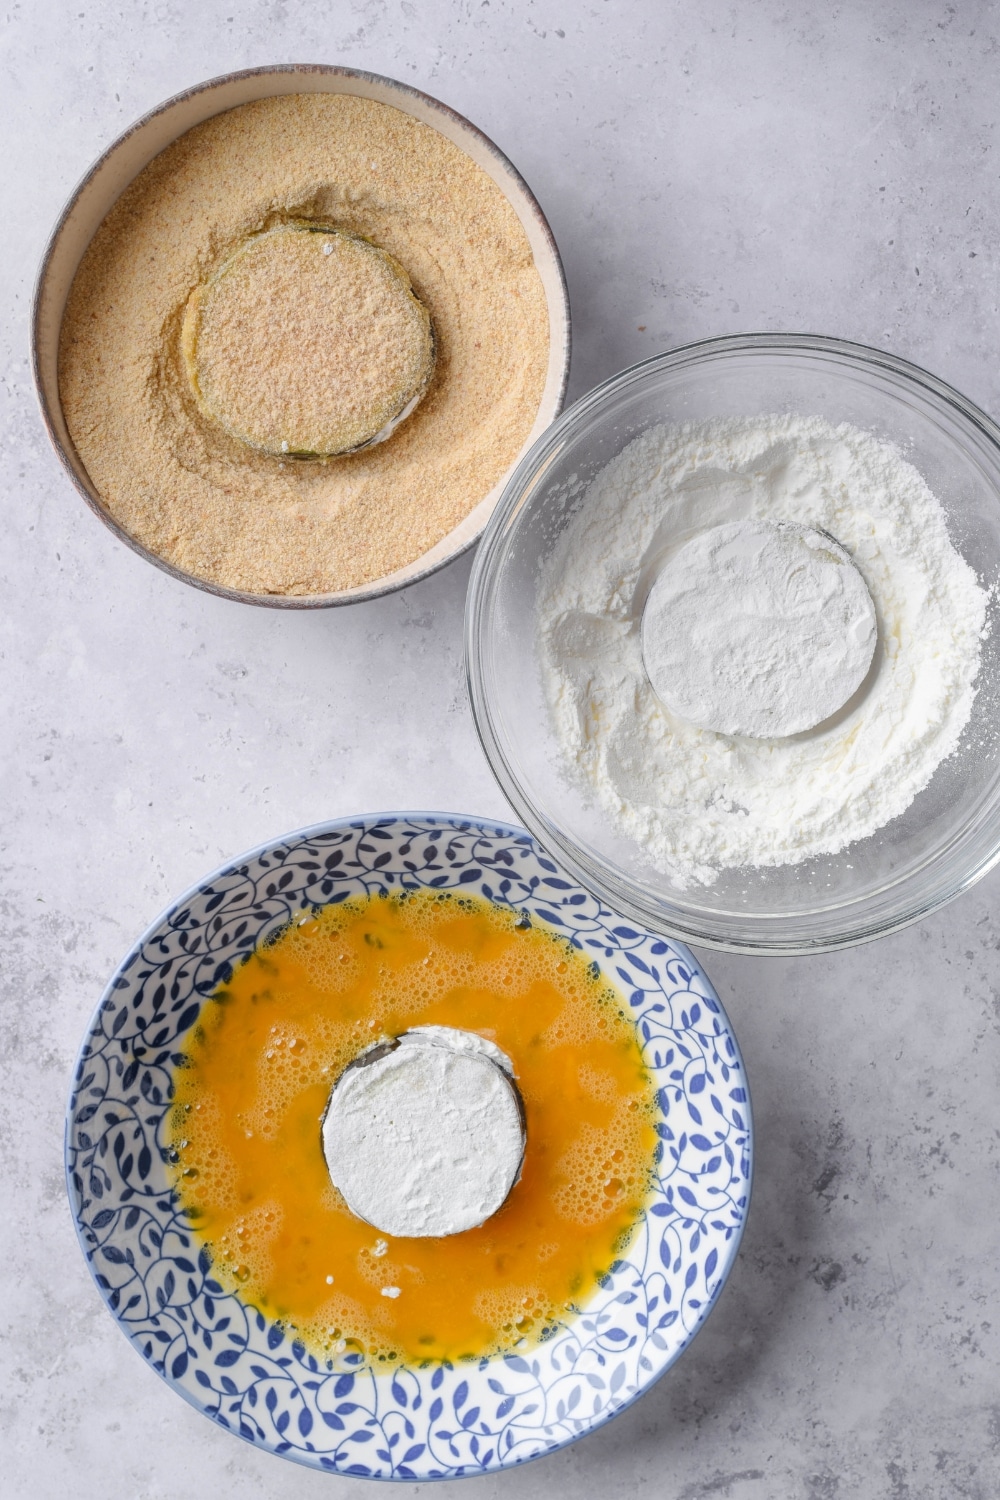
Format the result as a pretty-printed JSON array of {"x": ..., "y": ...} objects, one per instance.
[{"x": 438, "y": 1421}]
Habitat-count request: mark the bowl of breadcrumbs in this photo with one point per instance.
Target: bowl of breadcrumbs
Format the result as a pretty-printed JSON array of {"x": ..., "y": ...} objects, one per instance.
[{"x": 293, "y": 332}]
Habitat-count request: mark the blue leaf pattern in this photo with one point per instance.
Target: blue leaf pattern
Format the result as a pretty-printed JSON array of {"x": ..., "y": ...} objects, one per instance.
[{"x": 338, "y": 1414}]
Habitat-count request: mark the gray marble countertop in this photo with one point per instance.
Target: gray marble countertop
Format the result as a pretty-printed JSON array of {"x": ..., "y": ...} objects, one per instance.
[{"x": 707, "y": 167}]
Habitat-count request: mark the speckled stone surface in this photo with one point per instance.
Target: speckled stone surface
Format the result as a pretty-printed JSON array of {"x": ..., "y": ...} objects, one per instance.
[{"x": 707, "y": 168}]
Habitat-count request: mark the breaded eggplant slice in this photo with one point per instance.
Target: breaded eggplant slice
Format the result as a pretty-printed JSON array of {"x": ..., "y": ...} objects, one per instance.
[{"x": 307, "y": 342}]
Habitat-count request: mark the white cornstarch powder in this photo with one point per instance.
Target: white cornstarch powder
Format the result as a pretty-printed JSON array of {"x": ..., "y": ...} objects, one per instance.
[{"x": 698, "y": 801}]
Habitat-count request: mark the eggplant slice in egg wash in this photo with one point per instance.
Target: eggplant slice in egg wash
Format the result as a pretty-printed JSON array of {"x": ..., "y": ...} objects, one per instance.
[{"x": 424, "y": 1135}]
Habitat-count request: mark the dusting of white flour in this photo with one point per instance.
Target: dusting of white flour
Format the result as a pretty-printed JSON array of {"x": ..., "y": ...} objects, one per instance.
[{"x": 697, "y": 801}]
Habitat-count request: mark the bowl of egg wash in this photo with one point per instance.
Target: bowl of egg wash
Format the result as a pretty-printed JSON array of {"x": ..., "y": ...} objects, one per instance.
[
  {"x": 294, "y": 329},
  {"x": 397, "y": 1154},
  {"x": 730, "y": 643}
]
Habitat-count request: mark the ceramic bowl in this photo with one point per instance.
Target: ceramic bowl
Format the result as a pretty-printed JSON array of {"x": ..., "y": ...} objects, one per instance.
[
  {"x": 440, "y": 1420},
  {"x": 123, "y": 161},
  {"x": 950, "y": 834}
]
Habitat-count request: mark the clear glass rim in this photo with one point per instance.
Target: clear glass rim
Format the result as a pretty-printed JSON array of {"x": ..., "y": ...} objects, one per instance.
[{"x": 824, "y": 929}]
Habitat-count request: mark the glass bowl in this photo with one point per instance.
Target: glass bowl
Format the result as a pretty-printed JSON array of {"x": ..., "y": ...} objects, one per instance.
[{"x": 948, "y": 837}]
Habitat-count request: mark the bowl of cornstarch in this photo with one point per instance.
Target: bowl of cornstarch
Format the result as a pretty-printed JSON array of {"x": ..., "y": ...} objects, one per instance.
[{"x": 730, "y": 642}]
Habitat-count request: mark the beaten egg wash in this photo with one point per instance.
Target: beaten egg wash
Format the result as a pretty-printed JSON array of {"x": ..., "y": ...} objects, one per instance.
[{"x": 260, "y": 1063}]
